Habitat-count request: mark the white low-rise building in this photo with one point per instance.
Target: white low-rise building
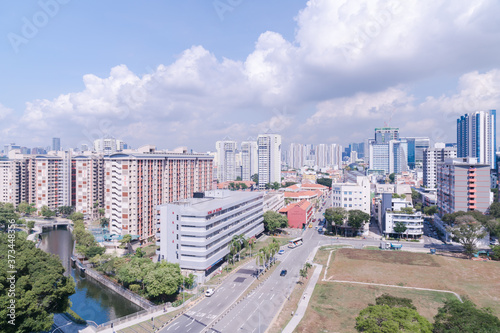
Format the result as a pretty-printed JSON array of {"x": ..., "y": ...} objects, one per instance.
[
  {"x": 274, "y": 201},
  {"x": 196, "y": 232},
  {"x": 394, "y": 210}
]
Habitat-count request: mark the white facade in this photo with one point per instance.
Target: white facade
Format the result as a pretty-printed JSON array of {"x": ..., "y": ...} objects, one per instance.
[
  {"x": 195, "y": 233},
  {"x": 269, "y": 151},
  {"x": 413, "y": 222},
  {"x": 226, "y": 153},
  {"x": 321, "y": 155},
  {"x": 108, "y": 146},
  {"x": 274, "y": 201},
  {"x": 431, "y": 159},
  {"x": 249, "y": 159}
]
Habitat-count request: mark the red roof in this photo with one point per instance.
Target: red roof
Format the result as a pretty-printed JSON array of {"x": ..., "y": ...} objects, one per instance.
[
  {"x": 303, "y": 204},
  {"x": 300, "y": 194}
]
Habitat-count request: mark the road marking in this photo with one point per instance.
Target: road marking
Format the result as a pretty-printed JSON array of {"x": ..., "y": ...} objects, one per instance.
[
  {"x": 272, "y": 296},
  {"x": 261, "y": 295}
]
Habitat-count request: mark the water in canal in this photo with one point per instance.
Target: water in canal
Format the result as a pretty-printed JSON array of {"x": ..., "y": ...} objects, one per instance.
[{"x": 92, "y": 300}]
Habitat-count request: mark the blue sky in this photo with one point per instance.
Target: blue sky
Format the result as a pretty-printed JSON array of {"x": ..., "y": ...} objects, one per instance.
[{"x": 174, "y": 73}]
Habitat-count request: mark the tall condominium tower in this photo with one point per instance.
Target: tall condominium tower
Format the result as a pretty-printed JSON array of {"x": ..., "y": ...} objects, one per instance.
[
  {"x": 249, "y": 159},
  {"x": 226, "y": 166},
  {"x": 433, "y": 156},
  {"x": 476, "y": 136},
  {"x": 56, "y": 144},
  {"x": 269, "y": 151}
]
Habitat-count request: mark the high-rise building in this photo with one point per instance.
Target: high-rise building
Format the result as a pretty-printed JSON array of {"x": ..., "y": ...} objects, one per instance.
[
  {"x": 387, "y": 151},
  {"x": 335, "y": 156},
  {"x": 249, "y": 159},
  {"x": 88, "y": 184},
  {"x": 56, "y": 144},
  {"x": 136, "y": 183},
  {"x": 108, "y": 145},
  {"x": 386, "y": 134},
  {"x": 476, "y": 136},
  {"x": 269, "y": 152},
  {"x": 463, "y": 184},
  {"x": 321, "y": 155},
  {"x": 416, "y": 147},
  {"x": 226, "y": 164},
  {"x": 433, "y": 156}
]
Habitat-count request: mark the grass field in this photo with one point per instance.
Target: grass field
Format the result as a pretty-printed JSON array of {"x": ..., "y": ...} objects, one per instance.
[{"x": 334, "y": 306}]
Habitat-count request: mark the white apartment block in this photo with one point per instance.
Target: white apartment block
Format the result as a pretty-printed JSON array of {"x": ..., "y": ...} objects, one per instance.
[
  {"x": 431, "y": 158},
  {"x": 226, "y": 165},
  {"x": 274, "y": 201},
  {"x": 136, "y": 183},
  {"x": 269, "y": 152},
  {"x": 7, "y": 178},
  {"x": 108, "y": 145},
  {"x": 352, "y": 196},
  {"x": 249, "y": 159},
  {"x": 195, "y": 232}
]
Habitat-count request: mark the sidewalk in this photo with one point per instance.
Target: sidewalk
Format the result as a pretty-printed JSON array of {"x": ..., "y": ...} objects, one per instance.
[{"x": 301, "y": 309}]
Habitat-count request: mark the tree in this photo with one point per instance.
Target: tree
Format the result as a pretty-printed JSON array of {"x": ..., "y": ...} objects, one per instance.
[
  {"x": 238, "y": 179},
  {"x": 41, "y": 287},
  {"x": 23, "y": 207},
  {"x": 139, "y": 253},
  {"x": 431, "y": 210},
  {"x": 288, "y": 184},
  {"x": 76, "y": 216},
  {"x": 236, "y": 244},
  {"x": 189, "y": 280},
  {"x": 399, "y": 228},
  {"x": 94, "y": 250},
  {"x": 325, "y": 182},
  {"x": 104, "y": 221},
  {"x": 335, "y": 217},
  {"x": 415, "y": 195},
  {"x": 394, "y": 302},
  {"x": 303, "y": 273},
  {"x": 243, "y": 186},
  {"x": 135, "y": 270},
  {"x": 7, "y": 214},
  {"x": 273, "y": 221},
  {"x": 392, "y": 177},
  {"x": 495, "y": 252},
  {"x": 126, "y": 239},
  {"x": 357, "y": 219},
  {"x": 66, "y": 210},
  {"x": 255, "y": 178},
  {"x": 30, "y": 225},
  {"x": 46, "y": 212},
  {"x": 164, "y": 280},
  {"x": 456, "y": 316},
  {"x": 467, "y": 231},
  {"x": 386, "y": 319},
  {"x": 495, "y": 209}
]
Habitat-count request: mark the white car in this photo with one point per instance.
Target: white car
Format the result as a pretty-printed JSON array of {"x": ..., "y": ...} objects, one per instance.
[{"x": 209, "y": 292}]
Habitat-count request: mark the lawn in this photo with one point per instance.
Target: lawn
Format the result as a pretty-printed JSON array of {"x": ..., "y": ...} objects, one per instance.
[{"x": 334, "y": 306}]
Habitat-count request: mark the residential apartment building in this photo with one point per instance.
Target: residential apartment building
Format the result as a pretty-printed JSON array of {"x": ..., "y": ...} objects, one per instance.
[
  {"x": 433, "y": 156},
  {"x": 269, "y": 153},
  {"x": 88, "y": 184},
  {"x": 195, "y": 232},
  {"x": 109, "y": 145},
  {"x": 249, "y": 159},
  {"x": 136, "y": 183},
  {"x": 476, "y": 136},
  {"x": 226, "y": 163},
  {"x": 463, "y": 184},
  {"x": 352, "y": 195}
]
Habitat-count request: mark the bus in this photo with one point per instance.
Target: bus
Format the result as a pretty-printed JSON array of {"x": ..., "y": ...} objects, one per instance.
[{"x": 295, "y": 243}]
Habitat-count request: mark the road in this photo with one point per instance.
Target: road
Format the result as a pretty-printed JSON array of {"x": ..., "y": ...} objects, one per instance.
[{"x": 255, "y": 312}]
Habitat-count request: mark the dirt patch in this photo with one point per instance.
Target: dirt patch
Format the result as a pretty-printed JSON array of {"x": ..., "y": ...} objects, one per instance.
[{"x": 395, "y": 257}]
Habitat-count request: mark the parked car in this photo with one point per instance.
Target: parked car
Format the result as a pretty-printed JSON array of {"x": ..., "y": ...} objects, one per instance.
[
  {"x": 209, "y": 292},
  {"x": 283, "y": 272},
  {"x": 281, "y": 251}
]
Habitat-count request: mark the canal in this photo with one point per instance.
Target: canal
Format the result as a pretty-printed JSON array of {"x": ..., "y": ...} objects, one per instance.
[{"x": 92, "y": 300}]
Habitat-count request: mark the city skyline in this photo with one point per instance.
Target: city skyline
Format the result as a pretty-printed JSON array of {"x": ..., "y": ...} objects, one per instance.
[{"x": 316, "y": 72}]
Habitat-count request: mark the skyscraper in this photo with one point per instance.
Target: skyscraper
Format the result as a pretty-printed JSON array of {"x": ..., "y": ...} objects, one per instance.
[
  {"x": 433, "y": 156},
  {"x": 226, "y": 166},
  {"x": 249, "y": 159},
  {"x": 56, "y": 144},
  {"x": 476, "y": 136},
  {"x": 416, "y": 147},
  {"x": 269, "y": 151},
  {"x": 388, "y": 152}
]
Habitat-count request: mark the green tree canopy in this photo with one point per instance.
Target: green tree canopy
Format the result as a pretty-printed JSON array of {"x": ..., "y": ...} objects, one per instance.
[
  {"x": 400, "y": 228},
  {"x": 7, "y": 213},
  {"x": 431, "y": 210},
  {"x": 335, "y": 217},
  {"x": 67, "y": 210},
  {"x": 46, "y": 212},
  {"x": 255, "y": 178},
  {"x": 495, "y": 209},
  {"x": 76, "y": 216},
  {"x": 357, "y": 219},
  {"x": 41, "y": 287},
  {"x": 467, "y": 231},
  {"x": 465, "y": 317},
  {"x": 164, "y": 280},
  {"x": 325, "y": 182},
  {"x": 273, "y": 221},
  {"x": 394, "y": 302},
  {"x": 386, "y": 319},
  {"x": 392, "y": 177}
]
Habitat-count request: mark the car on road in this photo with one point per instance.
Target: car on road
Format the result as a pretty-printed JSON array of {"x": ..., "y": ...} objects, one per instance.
[
  {"x": 283, "y": 272},
  {"x": 209, "y": 292},
  {"x": 281, "y": 251}
]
